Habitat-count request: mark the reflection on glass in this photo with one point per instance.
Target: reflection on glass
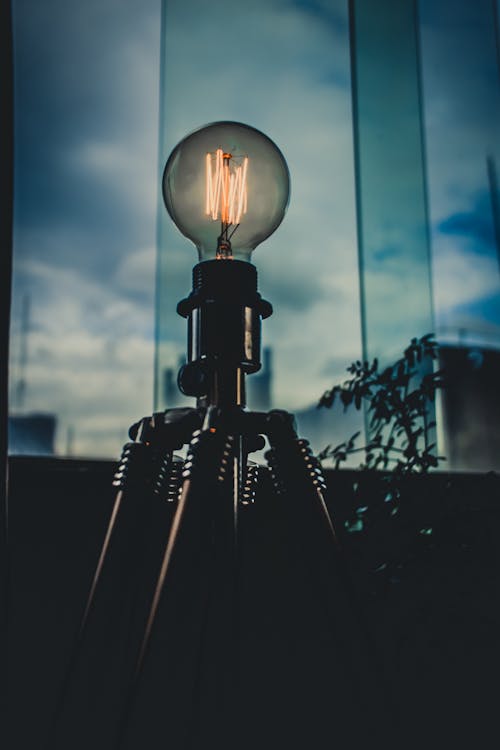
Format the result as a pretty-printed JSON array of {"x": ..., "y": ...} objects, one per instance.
[
  {"x": 393, "y": 238},
  {"x": 290, "y": 79},
  {"x": 390, "y": 178},
  {"x": 460, "y": 64},
  {"x": 461, "y": 85}
]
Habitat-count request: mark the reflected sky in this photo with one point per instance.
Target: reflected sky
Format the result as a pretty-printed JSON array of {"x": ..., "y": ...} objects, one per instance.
[
  {"x": 87, "y": 82},
  {"x": 462, "y": 117},
  {"x": 86, "y": 118},
  {"x": 284, "y": 68}
]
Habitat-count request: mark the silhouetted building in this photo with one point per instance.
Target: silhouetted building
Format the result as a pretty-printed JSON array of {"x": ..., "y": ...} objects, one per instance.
[
  {"x": 259, "y": 385},
  {"x": 32, "y": 434},
  {"x": 172, "y": 396},
  {"x": 471, "y": 407},
  {"x": 170, "y": 389}
]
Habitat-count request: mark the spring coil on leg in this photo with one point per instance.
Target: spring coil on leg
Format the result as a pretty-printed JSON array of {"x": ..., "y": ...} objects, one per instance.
[
  {"x": 168, "y": 478},
  {"x": 162, "y": 475},
  {"x": 135, "y": 465},
  {"x": 190, "y": 462},
  {"x": 272, "y": 461},
  {"x": 226, "y": 466},
  {"x": 174, "y": 480},
  {"x": 250, "y": 485},
  {"x": 312, "y": 464}
]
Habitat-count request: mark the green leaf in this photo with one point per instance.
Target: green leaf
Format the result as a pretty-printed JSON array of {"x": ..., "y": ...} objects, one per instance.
[{"x": 346, "y": 397}]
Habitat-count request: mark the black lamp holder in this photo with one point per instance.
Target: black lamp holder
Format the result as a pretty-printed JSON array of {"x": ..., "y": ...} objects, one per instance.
[{"x": 224, "y": 312}]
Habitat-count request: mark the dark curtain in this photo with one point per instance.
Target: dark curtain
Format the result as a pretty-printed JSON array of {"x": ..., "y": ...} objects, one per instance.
[{"x": 6, "y": 203}]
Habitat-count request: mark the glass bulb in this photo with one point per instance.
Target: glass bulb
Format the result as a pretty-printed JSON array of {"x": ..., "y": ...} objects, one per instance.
[{"x": 226, "y": 187}]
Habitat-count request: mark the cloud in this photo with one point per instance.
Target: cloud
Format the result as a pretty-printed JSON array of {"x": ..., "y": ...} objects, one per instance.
[
  {"x": 136, "y": 273},
  {"x": 465, "y": 277},
  {"x": 461, "y": 101},
  {"x": 65, "y": 301},
  {"x": 101, "y": 388},
  {"x": 90, "y": 359},
  {"x": 86, "y": 146},
  {"x": 474, "y": 223}
]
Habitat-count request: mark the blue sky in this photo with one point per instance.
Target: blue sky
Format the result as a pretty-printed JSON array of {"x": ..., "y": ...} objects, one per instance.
[{"x": 87, "y": 82}]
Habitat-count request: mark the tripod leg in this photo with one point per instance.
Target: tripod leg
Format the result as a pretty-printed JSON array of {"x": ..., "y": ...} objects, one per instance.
[
  {"x": 139, "y": 469},
  {"x": 132, "y": 468},
  {"x": 295, "y": 468},
  {"x": 185, "y": 564},
  {"x": 195, "y": 470},
  {"x": 233, "y": 466},
  {"x": 165, "y": 566},
  {"x": 299, "y": 482},
  {"x": 113, "y": 613}
]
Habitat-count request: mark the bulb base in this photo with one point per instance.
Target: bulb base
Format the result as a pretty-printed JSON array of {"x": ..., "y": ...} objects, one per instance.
[
  {"x": 224, "y": 312},
  {"x": 225, "y": 280}
]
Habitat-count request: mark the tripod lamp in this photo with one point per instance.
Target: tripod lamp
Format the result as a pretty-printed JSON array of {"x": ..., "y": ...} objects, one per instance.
[{"x": 226, "y": 186}]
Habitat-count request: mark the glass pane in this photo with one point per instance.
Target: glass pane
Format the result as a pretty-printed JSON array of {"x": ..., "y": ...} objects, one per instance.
[
  {"x": 86, "y": 116},
  {"x": 390, "y": 178},
  {"x": 460, "y": 64},
  {"x": 461, "y": 82},
  {"x": 282, "y": 67},
  {"x": 87, "y": 215}
]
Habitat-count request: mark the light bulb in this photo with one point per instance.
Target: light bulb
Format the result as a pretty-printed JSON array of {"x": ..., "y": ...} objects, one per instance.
[{"x": 226, "y": 187}]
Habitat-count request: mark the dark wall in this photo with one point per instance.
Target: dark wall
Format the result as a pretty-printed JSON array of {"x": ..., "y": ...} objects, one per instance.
[
  {"x": 6, "y": 204},
  {"x": 413, "y": 638}
]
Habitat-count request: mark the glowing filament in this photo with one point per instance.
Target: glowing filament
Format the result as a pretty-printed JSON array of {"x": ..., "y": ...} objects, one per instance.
[{"x": 226, "y": 188}]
